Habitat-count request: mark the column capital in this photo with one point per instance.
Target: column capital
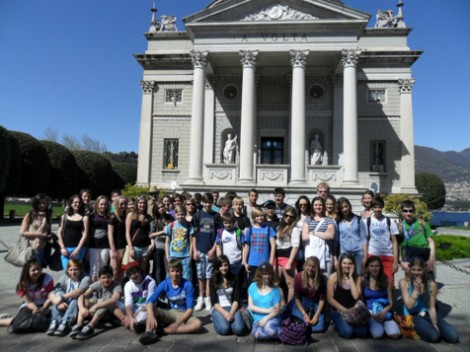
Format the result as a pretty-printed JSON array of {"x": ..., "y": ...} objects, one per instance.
[
  {"x": 350, "y": 57},
  {"x": 298, "y": 58},
  {"x": 147, "y": 86},
  {"x": 248, "y": 58},
  {"x": 199, "y": 58},
  {"x": 406, "y": 85}
]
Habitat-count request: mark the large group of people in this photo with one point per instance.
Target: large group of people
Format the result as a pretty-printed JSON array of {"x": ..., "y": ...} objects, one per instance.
[{"x": 148, "y": 264}]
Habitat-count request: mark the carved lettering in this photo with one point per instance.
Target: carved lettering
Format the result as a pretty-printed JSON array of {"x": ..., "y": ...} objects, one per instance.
[
  {"x": 304, "y": 37},
  {"x": 244, "y": 39},
  {"x": 274, "y": 37}
]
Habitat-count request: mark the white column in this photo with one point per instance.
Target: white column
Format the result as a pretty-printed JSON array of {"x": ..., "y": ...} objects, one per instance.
[
  {"x": 297, "y": 127},
  {"x": 350, "y": 144},
  {"x": 407, "y": 177},
  {"x": 199, "y": 59},
  {"x": 248, "y": 117},
  {"x": 337, "y": 82},
  {"x": 145, "y": 135}
]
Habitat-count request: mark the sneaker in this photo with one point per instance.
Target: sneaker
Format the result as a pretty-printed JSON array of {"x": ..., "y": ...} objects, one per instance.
[
  {"x": 61, "y": 330},
  {"x": 199, "y": 304},
  {"x": 207, "y": 303},
  {"x": 86, "y": 333},
  {"x": 75, "y": 331},
  {"x": 148, "y": 338},
  {"x": 50, "y": 331}
]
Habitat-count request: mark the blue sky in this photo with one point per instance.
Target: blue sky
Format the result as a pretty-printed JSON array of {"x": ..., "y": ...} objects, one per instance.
[{"x": 67, "y": 65}]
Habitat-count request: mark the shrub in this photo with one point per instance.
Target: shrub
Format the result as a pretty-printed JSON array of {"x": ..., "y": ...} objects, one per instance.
[
  {"x": 393, "y": 205},
  {"x": 5, "y": 158},
  {"x": 126, "y": 171},
  {"x": 432, "y": 188},
  {"x": 35, "y": 165},
  {"x": 94, "y": 172}
]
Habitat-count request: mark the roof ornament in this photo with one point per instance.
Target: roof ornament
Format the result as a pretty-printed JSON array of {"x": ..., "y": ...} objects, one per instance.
[
  {"x": 385, "y": 19},
  {"x": 155, "y": 25}
]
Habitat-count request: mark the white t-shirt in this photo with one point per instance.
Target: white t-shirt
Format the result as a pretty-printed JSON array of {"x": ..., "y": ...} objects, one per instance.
[
  {"x": 379, "y": 236},
  {"x": 136, "y": 295},
  {"x": 229, "y": 245}
]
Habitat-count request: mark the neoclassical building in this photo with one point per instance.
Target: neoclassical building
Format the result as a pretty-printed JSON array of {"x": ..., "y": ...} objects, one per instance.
[{"x": 278, "y": 93}]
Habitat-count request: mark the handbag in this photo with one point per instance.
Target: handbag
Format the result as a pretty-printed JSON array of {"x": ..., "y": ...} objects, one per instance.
[
  {"x": 247, "y": 317},
  {"x": 358, "y": 315},
  {"x": 19, "y": 253},
  {"x": 26, "y": 321},
  {"x": 295, "y": 332}
]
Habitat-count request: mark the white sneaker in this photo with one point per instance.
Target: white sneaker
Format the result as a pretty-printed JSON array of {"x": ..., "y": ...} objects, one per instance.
[
  {"x": 207, "y": 303},
  {"x": 199, "y": 304}
]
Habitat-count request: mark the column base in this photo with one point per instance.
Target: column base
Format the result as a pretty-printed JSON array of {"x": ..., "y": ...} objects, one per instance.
[
  {"x": 194, "y": 181},
  {"x": 410, "y": 190},
  {"x": 351, "y": 183},
  {"x": 246, "y": 182},
  {"x": 301, "y": 182}
]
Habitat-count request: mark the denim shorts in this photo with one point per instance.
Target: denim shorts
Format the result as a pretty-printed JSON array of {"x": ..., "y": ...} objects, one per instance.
[{"x": 204, "y": 267}]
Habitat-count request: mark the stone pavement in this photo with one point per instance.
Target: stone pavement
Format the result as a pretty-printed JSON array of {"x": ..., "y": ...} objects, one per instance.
[{"x": 454, "y": 283}]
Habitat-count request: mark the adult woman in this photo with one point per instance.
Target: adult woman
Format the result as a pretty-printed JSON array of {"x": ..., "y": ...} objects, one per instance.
[
  {"x": 304, "y": 209},
  {"x": 137, "y": 234},
  {"x": 316, "y": 230},
  {"x": 420, "y": 298},
  {"x": 160, "y": 220},
  {"x": 343, "y": 290},
  {"x": 117, "y": 236},
  {"x": 64, "y": 298},
  {"x": 264, "y": 302},
  {"x": 36, "y": 227},
  {"x": 352, "y": 232},
  {"x": 367, "y": 197},
  {"x": 225, "y": 299},
  {"x": 33, "y": 288},
  {"x": 98, "y": 241},
  {"x": 73, "y": 231},
  {"x": 287, "y": 244},
  {"x": 310, "y": 294},
  {"x": 378, "y": 298}
]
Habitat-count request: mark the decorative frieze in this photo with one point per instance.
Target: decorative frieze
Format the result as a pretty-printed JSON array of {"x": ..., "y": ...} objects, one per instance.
[{"x": 279, "y": 13}]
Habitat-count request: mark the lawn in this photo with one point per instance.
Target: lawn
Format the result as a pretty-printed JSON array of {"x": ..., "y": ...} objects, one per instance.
[
  {"x": 452, "y": 247},
  {"x": 23, "y": 209}
]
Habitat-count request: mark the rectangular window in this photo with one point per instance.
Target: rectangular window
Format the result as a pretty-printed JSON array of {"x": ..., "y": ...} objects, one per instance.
[
  {"x": 377, "y": 96},
  {"x": 173, "y": 95},
  {"x": 170, "y": 153},
  {"x": 272, "y": 150},
  {"x": 377, "y": 156}
]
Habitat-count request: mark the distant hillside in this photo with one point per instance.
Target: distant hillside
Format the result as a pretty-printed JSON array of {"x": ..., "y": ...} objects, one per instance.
[{"x": 450, "y": 166}]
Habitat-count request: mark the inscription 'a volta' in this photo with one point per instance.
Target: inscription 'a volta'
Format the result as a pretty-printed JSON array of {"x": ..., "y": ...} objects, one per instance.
[{"x": 275, "y": 37}]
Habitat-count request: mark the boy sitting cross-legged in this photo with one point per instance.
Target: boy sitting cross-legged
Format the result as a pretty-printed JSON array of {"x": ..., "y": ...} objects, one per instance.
[
  {"x": 178, "y": 319},
  {"x": 101, "y": 297}
]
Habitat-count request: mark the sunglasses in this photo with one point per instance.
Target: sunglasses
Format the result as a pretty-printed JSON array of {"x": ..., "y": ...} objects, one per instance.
[{"x": 410, "y": 211}]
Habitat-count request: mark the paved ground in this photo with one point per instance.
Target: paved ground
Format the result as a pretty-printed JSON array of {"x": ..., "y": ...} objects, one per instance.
[{"x": 454, "y": 299}]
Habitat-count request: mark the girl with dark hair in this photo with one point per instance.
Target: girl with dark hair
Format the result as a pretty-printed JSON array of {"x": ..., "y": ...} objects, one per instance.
[
  {"x": 157, "y": 233},
  {"x": 420, "y": 299},
  {"x": 73, "y": 231},
  {"x": 304, "y": 209},
  {"x": 87, "y": 204},
  {"x": 310, "y": 295},
  {"x": 98, "y": 241},
  {"x": 351, "y": 233},
  {"x": 367, "y": 197},
  {"x": 379, "y": 299},
  {"x": 343, "y": 290},
  {"x": 33, "y": 287},
  {"x": 36, "y": 228},
  {"x": 225, "y": 299},
  {"x": 316, "y": 231},
  {"x": 264, "y": 302}
]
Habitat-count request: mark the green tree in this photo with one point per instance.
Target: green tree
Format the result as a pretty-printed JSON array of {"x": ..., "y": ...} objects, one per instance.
[
  {"x": 35, "y": 165},
  {"x": 5, "y": 161},
  {"x": 393, "y": 205},
  {"x": 126, "y": 171},
  {"x": 95, "y": 172},
  {"x": 432, "y": 188},
  {"x": 64, "y": 170}
]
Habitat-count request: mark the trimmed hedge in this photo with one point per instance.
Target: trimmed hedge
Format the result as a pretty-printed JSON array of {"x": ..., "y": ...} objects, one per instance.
[{"x": 94, "y": 172}]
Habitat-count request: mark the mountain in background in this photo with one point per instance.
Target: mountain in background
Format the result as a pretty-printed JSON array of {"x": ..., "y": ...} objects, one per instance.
[{"x": 452, "y": 167}]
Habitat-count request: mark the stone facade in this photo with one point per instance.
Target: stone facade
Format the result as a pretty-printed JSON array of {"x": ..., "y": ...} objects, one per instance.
[{"x": 275, "y": 74}]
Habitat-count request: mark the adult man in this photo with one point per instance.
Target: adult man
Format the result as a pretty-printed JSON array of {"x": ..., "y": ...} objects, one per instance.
[{"x": 323, "y": 189}]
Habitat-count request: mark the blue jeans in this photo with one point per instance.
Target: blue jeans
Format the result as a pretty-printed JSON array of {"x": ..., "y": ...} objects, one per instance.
[
  {"x": 65, "y": 260},
  {"x": 346, "y": 330},
  {"x": 69, "y": 316},
  {"x": 223, "y": 327},
  {"x": 427, "y": 332},
  {"x": 311, "y": 306}
]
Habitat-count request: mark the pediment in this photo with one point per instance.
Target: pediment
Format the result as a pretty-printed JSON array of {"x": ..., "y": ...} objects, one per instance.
[{"x": 248, "y": 11}]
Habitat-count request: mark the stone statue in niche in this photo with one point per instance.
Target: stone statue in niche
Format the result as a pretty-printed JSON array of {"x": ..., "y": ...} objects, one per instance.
[
  {"x": 230, "y": 149},
  {"x": 316, "y": 151}
]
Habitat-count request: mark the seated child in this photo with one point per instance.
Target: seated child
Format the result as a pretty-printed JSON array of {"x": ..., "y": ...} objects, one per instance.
[
  {"x": 178, "y": 319},
  {"x": 65, "y": 297},
  {"x": 136, "y": 292},
  {"x": 101, "y": 297}
]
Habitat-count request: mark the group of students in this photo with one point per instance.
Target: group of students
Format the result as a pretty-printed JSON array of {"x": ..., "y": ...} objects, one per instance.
[{"x": 255, "y": 265}]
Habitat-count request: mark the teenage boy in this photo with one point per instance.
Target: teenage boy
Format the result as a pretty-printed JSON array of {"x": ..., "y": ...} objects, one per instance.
[
  {"x": 204, "y": 250},
  {"x": 417, "y": 239},
  {"x": 240, "y": 219},
  {"x": 215, "y": 200},
  {"x": 136, "y": 292},
  {"x": 269, "y": 207},
  {"x": 281, "y": 207},
  {"x": 178, "y": 319},
  {"x": 253, "y": 195},
  {"x": 229, "y": 242},
  {"x": 382, "y": 241},
  {"x": 101, "y": 297}
]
